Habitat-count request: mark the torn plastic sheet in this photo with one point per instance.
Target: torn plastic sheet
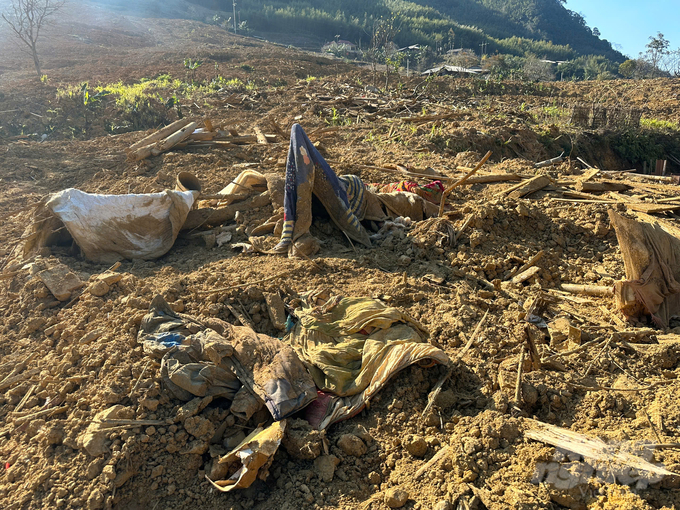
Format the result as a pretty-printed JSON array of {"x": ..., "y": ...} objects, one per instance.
[
  {"x": 108, "y": 228},
  {"x": 252, "y": 458}
]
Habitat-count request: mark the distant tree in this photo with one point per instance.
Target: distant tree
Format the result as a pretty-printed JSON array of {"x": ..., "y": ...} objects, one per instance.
[
  {"x": 657, "y": 50},
  {"x": 596, "y": 32},
  {"x": 463, "y": 58},
  {"x": 536, "y": 70},
  {"x": 382, "y": 48},
  {"x": 27, "y": 18},
  {"x": 627, "y": 69}
]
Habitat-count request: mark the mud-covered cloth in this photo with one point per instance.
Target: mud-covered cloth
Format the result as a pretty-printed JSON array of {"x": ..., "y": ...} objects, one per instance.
[
  {"x": 651, "y": 258},
  {"x": 352, "y": 346},
  {"x": 307, "y": 173},
  {"x": 431, "y": 192},
  {"x": 239, "y": 364}
]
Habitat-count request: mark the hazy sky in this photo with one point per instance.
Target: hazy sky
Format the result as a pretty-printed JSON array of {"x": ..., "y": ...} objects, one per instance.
[{"x": 631, "y": 22}]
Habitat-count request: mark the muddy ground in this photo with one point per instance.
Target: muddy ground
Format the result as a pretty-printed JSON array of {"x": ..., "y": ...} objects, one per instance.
[{"x": 81, "y": 357}]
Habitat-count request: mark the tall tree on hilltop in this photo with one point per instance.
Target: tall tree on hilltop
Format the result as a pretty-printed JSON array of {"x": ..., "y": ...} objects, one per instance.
[{"x": 27, "y": 18}]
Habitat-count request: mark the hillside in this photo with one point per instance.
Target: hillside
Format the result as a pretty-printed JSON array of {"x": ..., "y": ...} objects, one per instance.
[{"x": 517, "y": 27}]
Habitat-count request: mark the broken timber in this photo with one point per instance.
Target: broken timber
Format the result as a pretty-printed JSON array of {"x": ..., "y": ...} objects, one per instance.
[{"x": 527, "y": 187}]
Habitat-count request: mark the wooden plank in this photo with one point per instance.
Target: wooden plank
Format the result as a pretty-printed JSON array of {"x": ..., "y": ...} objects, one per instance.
[
  {"x": 177, "y": 137},
  {"x": 593, "y": 449},
  {"x": 588, "y": 176},
  {"x": 601, "y": 187},
  {"x": 525, "y": 275},
  {"x": 532, "y": 185},
  {"x": 261, "y": 139},
  {"x": 652, "y": 208},
  {"x": 489, "y": 178},
  {"x": 159, "y": 135}
]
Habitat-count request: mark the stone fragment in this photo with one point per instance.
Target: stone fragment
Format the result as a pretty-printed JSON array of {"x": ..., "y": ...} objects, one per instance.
[
  {"x": 95, "y": 501},
  {"x": 352, "y": 445},
  {"x": 99, "y": 288},
  {"x": 325, "y": 467},
  {"x": 374, "y": 477},
  {"x": 396, "y": 497},
  {"x": 60, "y": 281},
  {"x": 415, "y": 445},
  {"x": 277, "y": 312},
  {"x": 193, "y": 407},
  {"x": 94, "y": 468},
  {"x": 109, "y": 472}
]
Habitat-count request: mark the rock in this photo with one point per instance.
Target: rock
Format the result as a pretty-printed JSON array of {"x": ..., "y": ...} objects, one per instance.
[
  {"x": 149, "y": 403},
  {"x": 446, "y": 399},
  {"x": 96, "y": 500},
  {"x": 109, "y": 472},
  {"x": 443, "y": 505},
  {"x": 404, "y": 260},
  {"x": 99, "y": 288},
  {"x": 415, "y": 445},
  {"x": 54, "y": 435},
  {"x": 14, "y": 473},
  {"x": 374, "y": 478},
  {"x": 93, "y": 440},
  {"x": 396, "y": 497},
  {"x": 157, "y": 471},
  {"x": 217, "y": 471},
  {"x": 196, "y": 446},
  {"x": 277, "y": 312},
  {"x": 325, "y": 467},
  {"x": 352, "y": 445},
  {"x": 94, "y": 468},
  {"x": 60, "y": 281},
  {"x": 91, "y": 336},
  {"x": 302, "y": 441},
  {"x": 192, "y": 408},
  {"x": 199, "y": 427}
]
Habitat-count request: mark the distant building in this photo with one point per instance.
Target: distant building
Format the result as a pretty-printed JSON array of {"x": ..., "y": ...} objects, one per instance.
[
  {"x": 341, "y": 47},
  {"x": 413, "y": 47},
  {"x": 454, "y": 70}
]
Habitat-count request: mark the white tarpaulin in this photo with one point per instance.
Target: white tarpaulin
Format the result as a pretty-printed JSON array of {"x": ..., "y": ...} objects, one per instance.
[{"x": 110, "y": 227}]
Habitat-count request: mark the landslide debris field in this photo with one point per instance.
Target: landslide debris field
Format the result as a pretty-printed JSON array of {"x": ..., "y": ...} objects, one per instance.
[{"x": 64, "y": 362}]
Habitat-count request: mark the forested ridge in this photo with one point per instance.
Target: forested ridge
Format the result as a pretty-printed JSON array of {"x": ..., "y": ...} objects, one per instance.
[{"x": 545, "y": 28}]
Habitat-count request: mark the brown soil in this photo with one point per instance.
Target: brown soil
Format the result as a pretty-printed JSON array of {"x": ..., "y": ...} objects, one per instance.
[{"x": 492, "y": 463}]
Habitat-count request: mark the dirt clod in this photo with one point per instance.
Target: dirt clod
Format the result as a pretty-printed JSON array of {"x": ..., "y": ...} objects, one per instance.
[
  {"x": 352, "y": 445},
  {"x": 396, "y": 497}
]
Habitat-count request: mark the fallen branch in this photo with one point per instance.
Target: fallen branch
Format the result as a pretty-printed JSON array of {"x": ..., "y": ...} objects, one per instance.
[
  {"x": 532, "y": 261},
  {"x": 460, "y": 182},
  {"x": 46, "y": 412},
  {"x": 525, "y": 275},
  {"x": 588, "y": 290}
]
